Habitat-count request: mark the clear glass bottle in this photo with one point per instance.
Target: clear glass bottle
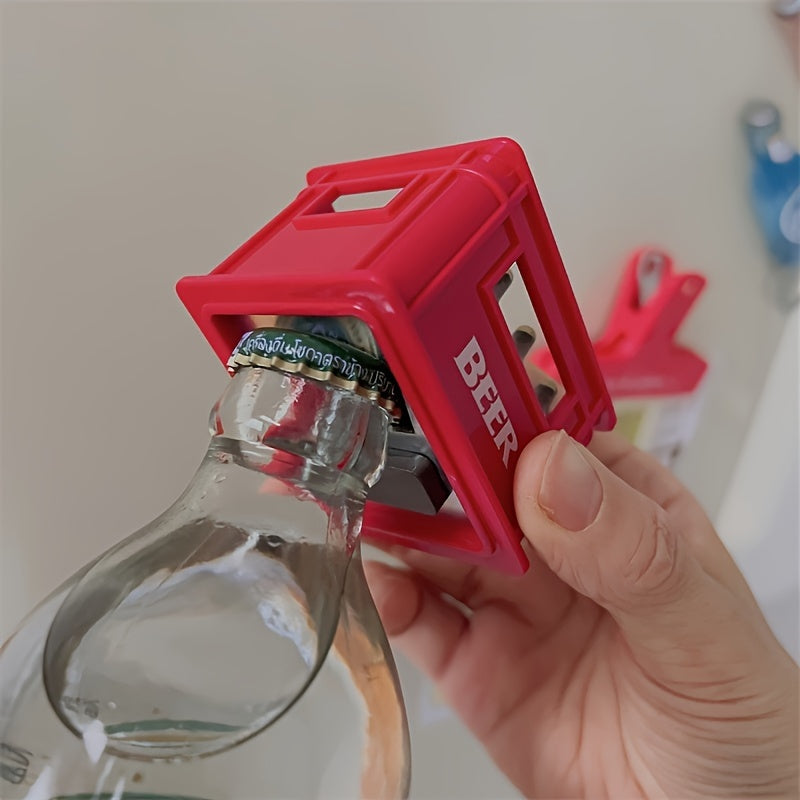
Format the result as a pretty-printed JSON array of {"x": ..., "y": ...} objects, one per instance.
[{"x": 230, "y": 649}]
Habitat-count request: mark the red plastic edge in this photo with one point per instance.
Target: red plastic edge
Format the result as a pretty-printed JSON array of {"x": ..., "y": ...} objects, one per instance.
[{"x": 420, "y": 271}]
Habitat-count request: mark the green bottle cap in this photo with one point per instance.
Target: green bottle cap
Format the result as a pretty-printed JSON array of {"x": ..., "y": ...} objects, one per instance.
[{"x": 320, "y": 358}]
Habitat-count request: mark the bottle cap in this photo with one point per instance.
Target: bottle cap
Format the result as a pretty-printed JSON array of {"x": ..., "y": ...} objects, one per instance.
[
  {"x": 786, "y": 8},
  {"x": 320, "y": 358},
  {"x": 341, "y": 329},
  {"x": 761, "y": 121}
]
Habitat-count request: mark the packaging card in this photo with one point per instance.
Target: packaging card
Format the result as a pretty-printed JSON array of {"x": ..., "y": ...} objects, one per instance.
[{"x": 661, "y": 426}]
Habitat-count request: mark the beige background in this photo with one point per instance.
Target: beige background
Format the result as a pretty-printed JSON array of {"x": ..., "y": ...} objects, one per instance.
[{"x": 142, "y": 142}]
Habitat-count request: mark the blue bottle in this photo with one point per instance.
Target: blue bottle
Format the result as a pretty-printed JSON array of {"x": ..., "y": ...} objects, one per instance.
[{"x": 774, "y": 182}]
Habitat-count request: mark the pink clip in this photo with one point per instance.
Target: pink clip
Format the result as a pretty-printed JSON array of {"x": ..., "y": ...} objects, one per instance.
[{"x": 637, "y": 352}]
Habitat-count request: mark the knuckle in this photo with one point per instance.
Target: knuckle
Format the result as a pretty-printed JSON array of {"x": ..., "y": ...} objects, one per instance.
[
  {"x": 556, "y": 560},
  {"x": 651, "y": 568},
  {"x": 577, "y": 569}
]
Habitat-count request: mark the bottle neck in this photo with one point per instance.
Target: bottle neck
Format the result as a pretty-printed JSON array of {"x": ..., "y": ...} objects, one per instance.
[
  {"x": 308, "y": 433},
  {"x": 762, "y": 122},
  {"x": 263, "y": 536}
]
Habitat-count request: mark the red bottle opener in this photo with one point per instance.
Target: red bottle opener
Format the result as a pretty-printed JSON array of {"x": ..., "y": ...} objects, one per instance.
[
  {"x": 422, "y": 272},
  {"x": 637, "y": 352}
]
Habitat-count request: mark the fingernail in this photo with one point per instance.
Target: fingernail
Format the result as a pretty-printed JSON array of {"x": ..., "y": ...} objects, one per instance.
[{"x": 571, "y": 491}]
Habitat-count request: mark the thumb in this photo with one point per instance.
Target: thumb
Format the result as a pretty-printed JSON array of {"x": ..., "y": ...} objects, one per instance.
[{"x": 618, "y": 547}]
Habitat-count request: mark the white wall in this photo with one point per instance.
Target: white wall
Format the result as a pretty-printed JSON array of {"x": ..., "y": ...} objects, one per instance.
[
  {"x": 142, "y": 142},
  {"x": 760, "y": 513}
]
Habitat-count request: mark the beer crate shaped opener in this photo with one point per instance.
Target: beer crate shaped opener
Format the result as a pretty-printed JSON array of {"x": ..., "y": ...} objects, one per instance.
[{"x": 424, "y": 272}]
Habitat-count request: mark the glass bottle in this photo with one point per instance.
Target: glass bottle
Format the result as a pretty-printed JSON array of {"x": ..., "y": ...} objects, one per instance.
[
  {"x": 775, "y": 197},
  {"x": 229, "y": 649}
]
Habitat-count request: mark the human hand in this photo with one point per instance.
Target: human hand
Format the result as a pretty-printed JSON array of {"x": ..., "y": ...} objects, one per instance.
[{"x": 631, "y": 660}]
